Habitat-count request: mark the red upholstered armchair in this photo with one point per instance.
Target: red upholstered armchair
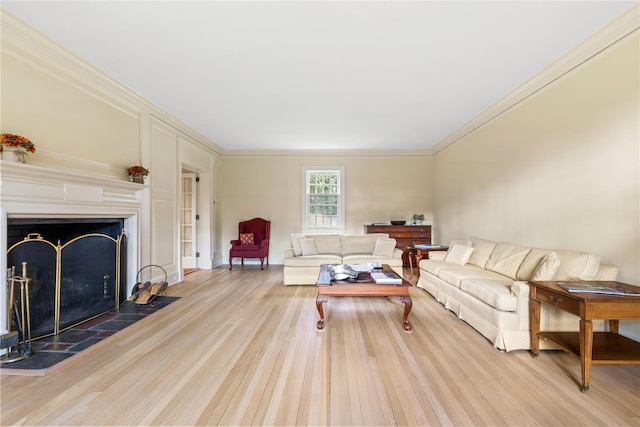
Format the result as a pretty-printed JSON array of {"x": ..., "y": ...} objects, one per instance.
[{"x": 252, "y": 242}]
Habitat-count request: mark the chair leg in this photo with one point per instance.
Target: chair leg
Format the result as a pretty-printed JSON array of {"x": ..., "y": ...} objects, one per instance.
[
  {"x": 230, "y": 265},
  {"x": 261, "y": 263},
  {"x": 242, "y": 261}
]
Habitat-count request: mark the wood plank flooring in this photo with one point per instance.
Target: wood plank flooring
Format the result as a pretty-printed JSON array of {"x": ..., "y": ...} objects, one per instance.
[{"x": 239, "y": 348}]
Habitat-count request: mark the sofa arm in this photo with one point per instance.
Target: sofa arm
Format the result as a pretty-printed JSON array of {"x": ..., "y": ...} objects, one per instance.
[
  {"x": 235, "y": 243},
  {"x": 606, "y": 272},
  {"x": 289, "y": 253},
  {"x": 437, "y": 255},
  {"x": 520, "y": 289}
]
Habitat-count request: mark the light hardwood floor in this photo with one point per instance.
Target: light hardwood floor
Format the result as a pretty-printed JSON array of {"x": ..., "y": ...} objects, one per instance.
[{"x": 239, "y": 348}]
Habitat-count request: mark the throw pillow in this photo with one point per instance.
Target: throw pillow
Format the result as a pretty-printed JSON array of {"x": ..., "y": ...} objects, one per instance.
[
  {"x": 308, "y": 247},
  {"x": 481, "y": 251},
  {"x": 384, "y": 247},
  {"x": 459, "y": 254},
  {"x": 547, "y": 267},
  {"x": 246, "y": 239}
]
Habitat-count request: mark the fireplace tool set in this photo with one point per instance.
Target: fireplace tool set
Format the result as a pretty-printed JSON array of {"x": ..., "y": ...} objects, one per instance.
[{"x": 18, "y": 317}]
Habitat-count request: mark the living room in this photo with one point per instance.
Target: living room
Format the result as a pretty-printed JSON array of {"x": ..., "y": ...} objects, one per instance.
[{"x": 557, "y": 166}]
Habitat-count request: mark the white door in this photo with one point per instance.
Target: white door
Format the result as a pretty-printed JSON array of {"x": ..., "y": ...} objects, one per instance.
[{"x": 188, "y": 220}]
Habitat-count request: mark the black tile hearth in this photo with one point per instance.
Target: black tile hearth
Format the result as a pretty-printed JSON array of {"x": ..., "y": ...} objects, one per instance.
[{"x": 49, "y": 351}]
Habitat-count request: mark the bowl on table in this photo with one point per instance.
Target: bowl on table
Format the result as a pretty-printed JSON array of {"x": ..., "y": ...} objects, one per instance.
[{"x": 398, "y": 222}]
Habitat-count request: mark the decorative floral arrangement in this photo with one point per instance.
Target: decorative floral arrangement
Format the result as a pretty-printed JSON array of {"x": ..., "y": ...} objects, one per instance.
[
  {"x": 17, "y": 142},
  {"x": 138, "y": 170},
  {"x": 418, "y": 217}
]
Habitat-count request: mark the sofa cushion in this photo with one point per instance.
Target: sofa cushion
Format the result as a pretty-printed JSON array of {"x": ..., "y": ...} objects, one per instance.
[
  {"x": 531, "y": 262},
  {"x": 363, "y": 244},
  {"x": 308, "y": 247},
  {"x": 312, "y": 260},
  {"x": 433, "y": 266},
  {"x": 384, "y": 247},
  {"x": 481, "y": 251},
  {"x": 506, "y": 259},
  {"x": 246, "y": 239},
  {"x": 295, "y": 243},
  {"x": 455, "y": 274},
  {"x": 496, "y": 293},
  {"x": 327, "y": 243},
  {"x": 547, "y": 268},
  {"x": 576, "y": 265},
  {"x": 459, "y": 254}
]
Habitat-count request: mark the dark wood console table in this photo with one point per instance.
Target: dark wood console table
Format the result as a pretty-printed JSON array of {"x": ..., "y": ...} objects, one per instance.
[
  {"x": 591, "y": 348},
  {"x": 405, "y": 235}
]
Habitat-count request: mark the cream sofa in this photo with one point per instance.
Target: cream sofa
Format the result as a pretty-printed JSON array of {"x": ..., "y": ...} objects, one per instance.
[
  {"x": 302, "y": 261},
  {"x": 485, "y": 284}
]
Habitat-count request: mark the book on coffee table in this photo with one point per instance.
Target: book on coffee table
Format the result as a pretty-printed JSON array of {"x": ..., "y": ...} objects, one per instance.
[
  {"x": 386, "y": 278},
  {"x": 595, "y": 288}
]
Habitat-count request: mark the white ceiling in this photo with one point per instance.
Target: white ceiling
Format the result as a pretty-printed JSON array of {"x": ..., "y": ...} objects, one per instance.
[{"x": 289, "y": 75}]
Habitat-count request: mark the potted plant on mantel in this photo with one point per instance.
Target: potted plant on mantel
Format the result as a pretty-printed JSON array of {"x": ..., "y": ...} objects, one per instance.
[
  {"x": 417, "y": 219},
  {"x": 137, "y": 174},
  {"x": 15, "y": 148}
]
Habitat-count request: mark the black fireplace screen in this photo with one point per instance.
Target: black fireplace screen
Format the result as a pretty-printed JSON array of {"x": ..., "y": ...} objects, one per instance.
[{"x": 72, "y": 282}]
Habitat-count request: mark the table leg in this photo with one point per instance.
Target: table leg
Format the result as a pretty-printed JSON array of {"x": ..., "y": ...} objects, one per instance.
[
  {"x": 614, "y": 325},
  {"x": 534, "y": 321},
  {"x": 408, "y": 304},
  {"x": 320, "y": 299},
  {"x": 410, "y": 255},
  {"x": 586, "y": 352}
]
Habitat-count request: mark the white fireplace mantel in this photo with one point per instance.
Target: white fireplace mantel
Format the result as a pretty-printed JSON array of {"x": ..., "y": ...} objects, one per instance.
[{"x": 29, "y": 191}]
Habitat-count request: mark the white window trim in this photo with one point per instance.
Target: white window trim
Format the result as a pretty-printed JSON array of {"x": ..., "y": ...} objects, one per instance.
[{"x": 341, "y": 201}]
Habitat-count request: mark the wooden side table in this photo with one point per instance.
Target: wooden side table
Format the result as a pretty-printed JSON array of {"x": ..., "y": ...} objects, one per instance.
[
  {"x": 419, "y": 252},
  {"x": 591, "y": 348}
]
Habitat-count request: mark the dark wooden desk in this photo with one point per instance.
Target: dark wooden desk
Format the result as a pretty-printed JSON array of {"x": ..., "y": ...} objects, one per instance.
[
  {"x": 328, "y": 287},
  {"x": 591, "y": 348}
]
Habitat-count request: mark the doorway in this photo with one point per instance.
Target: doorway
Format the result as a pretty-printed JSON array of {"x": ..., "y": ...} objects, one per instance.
[{"x": 188, "y": 222}]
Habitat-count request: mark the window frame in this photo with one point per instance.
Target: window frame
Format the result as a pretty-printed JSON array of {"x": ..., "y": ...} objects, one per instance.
[{"x": 306, "y": 173}]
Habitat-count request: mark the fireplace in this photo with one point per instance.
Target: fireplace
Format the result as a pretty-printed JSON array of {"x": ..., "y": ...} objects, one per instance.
[
  {"x": 67, "y": 217},
  {"x": 76, "y": 267}
]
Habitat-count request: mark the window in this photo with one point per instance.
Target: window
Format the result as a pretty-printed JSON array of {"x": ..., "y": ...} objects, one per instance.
[{"x": 323, "y": 199}]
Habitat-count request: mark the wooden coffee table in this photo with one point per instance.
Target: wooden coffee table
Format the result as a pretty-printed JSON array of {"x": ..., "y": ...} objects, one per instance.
[{"x": 364, "y": 287}]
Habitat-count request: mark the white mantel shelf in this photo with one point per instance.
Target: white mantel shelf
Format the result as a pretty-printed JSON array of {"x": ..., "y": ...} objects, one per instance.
[{"x": 28, "y": 190}]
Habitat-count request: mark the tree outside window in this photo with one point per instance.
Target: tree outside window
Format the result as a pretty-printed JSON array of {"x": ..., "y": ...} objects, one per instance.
[{"x": 323, "y": 199}]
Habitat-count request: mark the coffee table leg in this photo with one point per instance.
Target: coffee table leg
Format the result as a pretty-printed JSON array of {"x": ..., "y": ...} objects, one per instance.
[
  {"x": 320, "y": 299},
  {"x": 408, "y": 304}
]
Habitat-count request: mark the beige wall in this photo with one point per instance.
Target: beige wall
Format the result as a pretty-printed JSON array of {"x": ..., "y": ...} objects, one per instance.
[
  {"x": 72, "y": 124},
  {"x": 561, "y": 170},
  {"x": 378, "y": 189}
]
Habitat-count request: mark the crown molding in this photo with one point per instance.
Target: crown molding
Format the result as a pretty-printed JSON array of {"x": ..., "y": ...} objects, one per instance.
[
  {"x": 27, "y": 44},
  {"x": 327, "y": 153},
  {"x": 619, "y": 29}
]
